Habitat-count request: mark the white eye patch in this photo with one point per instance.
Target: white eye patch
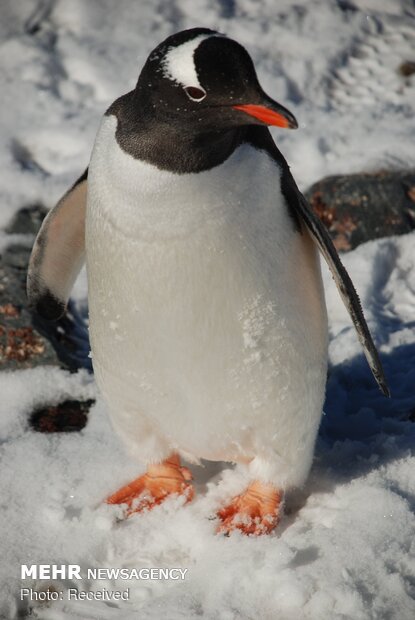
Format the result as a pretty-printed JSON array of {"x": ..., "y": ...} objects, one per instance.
[{"x": 179, "y": 65}]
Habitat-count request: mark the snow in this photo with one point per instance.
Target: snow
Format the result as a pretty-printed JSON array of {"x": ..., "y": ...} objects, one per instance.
[{"x": 345, "y": 548}]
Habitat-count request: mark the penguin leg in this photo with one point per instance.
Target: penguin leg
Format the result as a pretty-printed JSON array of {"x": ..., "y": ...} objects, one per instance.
[
  {"x": 159, "y": 482},
  {"x": 256, "y": 511}
]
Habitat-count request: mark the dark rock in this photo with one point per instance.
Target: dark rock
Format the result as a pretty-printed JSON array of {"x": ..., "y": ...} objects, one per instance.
[
  {"x": 407, "y": 68},
  {"x": 26, "y": 340},
  {"x": 66, "y": 417},
  {"x": 360, "y": 207}
]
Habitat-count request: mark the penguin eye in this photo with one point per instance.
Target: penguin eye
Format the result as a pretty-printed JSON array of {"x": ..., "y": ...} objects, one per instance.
[{"x": 194, "y": 93}]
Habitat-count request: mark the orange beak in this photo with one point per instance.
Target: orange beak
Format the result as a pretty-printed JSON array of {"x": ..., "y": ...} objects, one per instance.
[{"x": 280, "y": 117}]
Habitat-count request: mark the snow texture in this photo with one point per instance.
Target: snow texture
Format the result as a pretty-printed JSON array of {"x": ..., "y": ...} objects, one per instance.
[{"x": 345, "y": 549}]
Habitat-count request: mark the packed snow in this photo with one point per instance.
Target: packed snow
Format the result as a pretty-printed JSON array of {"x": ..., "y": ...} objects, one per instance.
[{"x": 345, "y": 548}]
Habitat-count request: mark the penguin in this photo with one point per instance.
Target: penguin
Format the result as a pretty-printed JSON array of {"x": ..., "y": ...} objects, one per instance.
[{"x": 208, "y": 322}]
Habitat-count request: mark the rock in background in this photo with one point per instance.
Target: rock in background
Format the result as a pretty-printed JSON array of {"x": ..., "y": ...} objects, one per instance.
[
  {"x": 360, "y": 207},
  {"x": 26, "y": 340}
]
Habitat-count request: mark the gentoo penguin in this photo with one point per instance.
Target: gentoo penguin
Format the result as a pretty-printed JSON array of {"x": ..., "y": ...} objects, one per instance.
[{"x": 208, "y": 323}]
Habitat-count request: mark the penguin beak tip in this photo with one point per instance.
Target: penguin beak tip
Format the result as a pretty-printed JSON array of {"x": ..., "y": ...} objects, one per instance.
[{"x": 279, "y": 117}]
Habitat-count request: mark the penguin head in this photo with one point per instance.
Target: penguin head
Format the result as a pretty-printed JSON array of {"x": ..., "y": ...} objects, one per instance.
[{"x": 203, "y": 81}]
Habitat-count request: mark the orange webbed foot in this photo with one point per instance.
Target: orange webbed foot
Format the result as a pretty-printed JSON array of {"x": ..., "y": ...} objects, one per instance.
[
  {"x": 256, "y": 511},
  {"x": 157, "y": 484}
]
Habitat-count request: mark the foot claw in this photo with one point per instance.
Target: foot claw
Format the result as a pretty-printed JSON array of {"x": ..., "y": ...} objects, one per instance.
[
  {"x": 255, "y": 512},
  {"x": 160, "y": 481}
]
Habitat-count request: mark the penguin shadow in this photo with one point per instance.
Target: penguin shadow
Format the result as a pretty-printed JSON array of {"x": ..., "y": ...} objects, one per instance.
[
  {"x": 68, "y": 336},
  {"x": 355, "y": 409},
  {"x": 206, "y": 473},
  {"x": 362, "y": 429},
  {"x": 209, "y": 478}
]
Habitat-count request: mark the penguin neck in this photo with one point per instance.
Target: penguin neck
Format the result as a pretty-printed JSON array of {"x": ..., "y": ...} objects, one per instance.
[
  {"x": 181, "y": 152},
  {"x": 169, "y": 146}
]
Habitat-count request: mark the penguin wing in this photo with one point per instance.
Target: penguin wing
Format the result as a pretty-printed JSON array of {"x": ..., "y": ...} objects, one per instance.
[
  {"x": 58, "y": 253},
  {"x": 342, "y": 279}
]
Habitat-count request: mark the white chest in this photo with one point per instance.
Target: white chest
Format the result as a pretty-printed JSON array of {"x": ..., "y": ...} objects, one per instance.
[{"x": 203, "y": 296}]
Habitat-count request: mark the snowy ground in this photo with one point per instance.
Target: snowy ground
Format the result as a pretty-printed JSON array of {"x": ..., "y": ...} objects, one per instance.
[{"x": 345, "y": 549}]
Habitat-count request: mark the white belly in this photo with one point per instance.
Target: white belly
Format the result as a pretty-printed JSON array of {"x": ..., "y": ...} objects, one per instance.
[{"x": 207, "y": 317}]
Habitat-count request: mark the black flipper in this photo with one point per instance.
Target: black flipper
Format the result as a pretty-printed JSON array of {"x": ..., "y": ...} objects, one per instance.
[
  {"x": 58, "y": 253},
  {"x": 342, "y": 279}
]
